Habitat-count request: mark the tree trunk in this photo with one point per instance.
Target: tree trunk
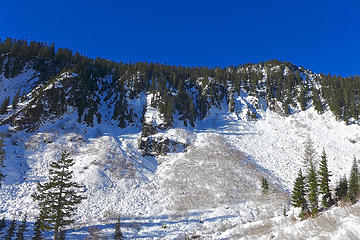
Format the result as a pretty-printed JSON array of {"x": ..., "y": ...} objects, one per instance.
[{"x": 56, "y": 232}]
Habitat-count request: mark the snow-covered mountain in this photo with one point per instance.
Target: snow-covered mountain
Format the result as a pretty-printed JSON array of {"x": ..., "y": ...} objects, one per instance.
[{"x": 176, "y": 152}]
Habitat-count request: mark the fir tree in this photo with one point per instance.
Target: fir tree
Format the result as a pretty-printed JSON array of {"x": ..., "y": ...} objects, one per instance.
[
  {"x": 317, "y": 101},
  {"x": 118, "y": 234},
  {"x": 231, "y": 102},
  {"x": 310, "y": 153},
  {"x": 4, "y": 105},
  {"x": 264, "y": 186},
  {"x": 353, "y": 190},
  {"x": 2, "y": 158},
  {"x": 15, "y": 100},
  {"x": 59, "y": 196},
  {"x": 192, "y": 114},
  {"x": 37, "y": 230},
  {"x": 302, "y": 98},
  {"x": 11, "y": 230},
  {"x": 341, "y": 188},
  {"x": 313, "y": 189},
  {"x": 298, "y": 193},
  {"x": 21, "y": 230},
  {"x": 324, "y": 181}
]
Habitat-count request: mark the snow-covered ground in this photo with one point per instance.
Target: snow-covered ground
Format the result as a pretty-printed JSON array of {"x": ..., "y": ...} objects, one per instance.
[{"x": 211, "y": 190}]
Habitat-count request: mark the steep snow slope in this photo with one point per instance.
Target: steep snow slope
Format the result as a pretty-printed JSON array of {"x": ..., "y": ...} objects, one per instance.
[
  {"x": 211, "y": 187},
  {"x": 24, "y": 81}
]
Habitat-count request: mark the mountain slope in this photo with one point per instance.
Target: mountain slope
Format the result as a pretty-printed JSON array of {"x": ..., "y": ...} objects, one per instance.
[{"x": 173, "y": 150}]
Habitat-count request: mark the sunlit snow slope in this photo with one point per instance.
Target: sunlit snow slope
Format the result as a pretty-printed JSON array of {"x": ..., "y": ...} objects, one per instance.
[
  {"x": 213, "y": 184},
  {"x": 208, "y": 186}
]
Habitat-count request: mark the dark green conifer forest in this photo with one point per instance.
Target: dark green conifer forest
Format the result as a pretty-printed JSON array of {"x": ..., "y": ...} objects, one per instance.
[{"x": 187, "y": 91}]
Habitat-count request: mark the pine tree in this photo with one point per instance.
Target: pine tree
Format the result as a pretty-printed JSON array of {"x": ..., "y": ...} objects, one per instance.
[
  {"x": 302, "y": 99},
  {"x": 313, "y": 189},
  {"x": 59, "y": 196},
  {"x": 4, "y": 105},
  {"x": 15, "y": 100},
  {"x": 21, "y": 230},
  {"x": 353, "y": 190},
  {"x": 264, "y": 186},
  {"x": 2, "y": 158},
  {"x": 317, "y": 101},
  {"x": 37, "y": 230},
  {"x": 231, "y": 102},
  {"x": 118, "y": 234},
  {"x": 341, "y": 188},
  {"x": 310, "y": 153},
  {"x": 11, "y": 230},
  {"x": 192, "y": 114},
  {"x": 325, "y": 175},
  {"x": 298, "y": 193}
]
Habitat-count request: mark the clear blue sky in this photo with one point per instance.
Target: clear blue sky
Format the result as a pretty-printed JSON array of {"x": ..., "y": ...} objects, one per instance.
[{"x": 321, "y": 35}]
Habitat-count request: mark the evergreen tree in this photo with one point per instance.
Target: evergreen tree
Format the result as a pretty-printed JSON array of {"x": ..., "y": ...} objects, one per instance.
[
  {"x": 264, "y": 186},
  {"x": 118, "y": 234},
  {"x": 37, "y": 230},
  {"x": 2, "y": 224},
  {"x": 310, "y": 153},
  {"x": 317, "y": 101},
  {"x": 302, "y": 98},
  {"x": 313, "y": 189},
  {"x": 341, "y": 189},
  {"x": 59, "y": 196},
  {"x": 15, "y": 100},
  {"x": 2, "y": 158},
  {"x": 324, "y": 181},
  {"x": 192, "y": 114},
  {"x": 298, "y": 194},
  {"x": 205, "y": 81},
  {"x": 353, "y": 190},
  {"x": 11, "y": 230},
  {"x": 231, "y": 101},
  {"x": 21, "y": 230},
  {"x": 286, "y": 107},
  {"x": 4, "y": 105}
]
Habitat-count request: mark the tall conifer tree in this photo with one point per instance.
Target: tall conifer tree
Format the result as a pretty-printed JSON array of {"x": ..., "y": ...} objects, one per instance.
[
  {"x": 4, "y": 105},
  {"x": 15, "y": 100},
  {"x": 341, "y": 188},
  {"x": 313, "y": 189},
  {"x": 59, "y": 196},
  {"x": 37, "y": 230},
  {"x": 309, "y": 154},
  {"x": 298, "y": 193},
  {"x": 21, "y": 230},
  {"x": 325, "y": 175},
  {"x": 353, "y": 190},
  {"x": 11, "y": 230}
]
